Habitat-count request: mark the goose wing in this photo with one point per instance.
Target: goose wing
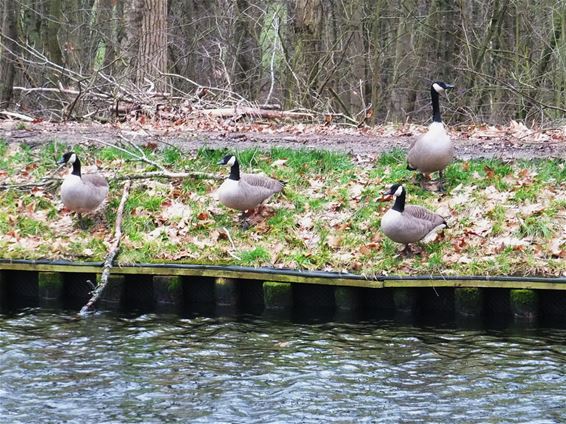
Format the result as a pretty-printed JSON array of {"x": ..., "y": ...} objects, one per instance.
[
  {"x": 96, "y": 188},
  {"x": 263, "y": 181},
  {"x": 425, "y": 217},
  {"x": 96, "y": 180}
]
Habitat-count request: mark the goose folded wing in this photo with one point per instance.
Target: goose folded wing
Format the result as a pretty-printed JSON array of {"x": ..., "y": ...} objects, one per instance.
[
  {"x": 427, "y": 217},
  {"x": 263, "y": 181},
  {"x": 96, "y": 180}
]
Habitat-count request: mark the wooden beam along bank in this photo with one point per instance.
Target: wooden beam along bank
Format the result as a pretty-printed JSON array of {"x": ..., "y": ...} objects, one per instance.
[{"x": 232, "y": 289}]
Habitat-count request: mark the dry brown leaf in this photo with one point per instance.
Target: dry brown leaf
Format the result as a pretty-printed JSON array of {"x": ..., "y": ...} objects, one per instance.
[{"x": 334, "y": 241}]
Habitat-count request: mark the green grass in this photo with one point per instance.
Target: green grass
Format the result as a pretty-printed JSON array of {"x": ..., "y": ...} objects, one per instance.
[
  {"x": 521, "y": 201},
  {"x": 536, "y": 226},
  {"x": 254, "y": 256}
]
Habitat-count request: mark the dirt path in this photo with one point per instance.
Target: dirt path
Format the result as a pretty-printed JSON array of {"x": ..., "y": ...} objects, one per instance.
[{"x": 350, "y": 141}]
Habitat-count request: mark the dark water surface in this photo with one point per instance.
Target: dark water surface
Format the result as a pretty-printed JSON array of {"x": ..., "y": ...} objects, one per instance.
[{"x": 54, "y": 368}]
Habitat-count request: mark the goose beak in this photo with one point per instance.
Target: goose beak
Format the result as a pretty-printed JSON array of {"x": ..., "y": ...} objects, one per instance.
[
  {"x": 448, "y": 86},
  {"x": 61, "y": 161},
  {"x": 220, "y": 162}
]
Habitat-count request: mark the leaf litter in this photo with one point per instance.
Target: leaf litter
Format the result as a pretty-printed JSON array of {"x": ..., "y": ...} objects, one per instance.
[{"x": 504, "y": 217}]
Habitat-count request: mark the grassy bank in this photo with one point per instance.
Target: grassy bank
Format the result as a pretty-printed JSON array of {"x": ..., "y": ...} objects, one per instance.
[{"x": 505, "y": 218}]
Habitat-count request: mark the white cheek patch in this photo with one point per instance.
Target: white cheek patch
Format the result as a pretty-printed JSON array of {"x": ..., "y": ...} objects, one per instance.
[
  {"x": 232, "y": 161},
  {"x": 437, "y": 88},
  {"x": 73, "y": 158},
  {"x": 399, "y": 191}
]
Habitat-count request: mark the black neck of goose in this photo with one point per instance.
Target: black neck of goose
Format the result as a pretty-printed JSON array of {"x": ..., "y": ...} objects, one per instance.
[
  {"x": 435, "y": 105},
  {"x": 399, "y": 205},
  {"x": 235, "y": 171},
  {"x": 76, "y": 167}
]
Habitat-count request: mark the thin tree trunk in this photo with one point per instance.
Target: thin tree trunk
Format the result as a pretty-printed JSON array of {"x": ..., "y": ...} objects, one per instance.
[
  {"x": 152, "y": 53},
  {"x": 53, "y": 26},
  {"x": 8, "y": 53}
]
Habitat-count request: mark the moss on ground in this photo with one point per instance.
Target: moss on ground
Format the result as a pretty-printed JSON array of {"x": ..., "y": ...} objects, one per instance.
[{"x": 504, "y": 217}]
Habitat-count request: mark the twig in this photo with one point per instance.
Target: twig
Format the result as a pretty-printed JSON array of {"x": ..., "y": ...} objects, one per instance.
[
  {"x": 141, "y": 156},
  {"x": 44, "y": 182},
  {"x": 167, "y": 174},
  {"x": 108, "y": 262},
  {"x": 232, "y": 243}
]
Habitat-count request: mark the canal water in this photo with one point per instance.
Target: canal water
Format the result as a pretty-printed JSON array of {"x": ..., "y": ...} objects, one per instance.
[{"x": 55, "y": 368}]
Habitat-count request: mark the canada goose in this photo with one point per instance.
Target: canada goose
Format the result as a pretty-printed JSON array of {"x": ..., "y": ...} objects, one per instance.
[
  {"x": 245, "y": 192},
  {"x": 81, "y": 192},
  {"x": 408, "y": 223},
  {"x": 432, "y": 151}
]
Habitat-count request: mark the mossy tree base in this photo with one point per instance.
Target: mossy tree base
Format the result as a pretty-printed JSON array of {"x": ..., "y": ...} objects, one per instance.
[
  {"x": 468, "y": 301},
  {"x": 347, "y": 298},
  {"x": 50, "y": 288},
  {"x": 405, "y": 300},
  {"x": 524, "y": 304},
  {"x": 277, "y": 296}
]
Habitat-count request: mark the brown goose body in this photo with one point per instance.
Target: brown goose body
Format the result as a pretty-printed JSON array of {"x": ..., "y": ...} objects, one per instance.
[
  {"x": 82, "y": 192},
  {"x": 409, "y": 223},
  {"x": 433, "y": 151},
  {"x": 246, "y": 191}
]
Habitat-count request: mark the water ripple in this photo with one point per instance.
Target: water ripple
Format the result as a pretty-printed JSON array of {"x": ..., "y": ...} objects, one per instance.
[{"x": 54, "y": 368}]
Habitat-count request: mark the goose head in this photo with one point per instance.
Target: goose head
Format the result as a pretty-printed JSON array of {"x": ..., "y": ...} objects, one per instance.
[
  {"x": 394, "y": 191},
  {"x": 440, "y": 86},
  {"x": 69, "y": 157},
  {"x": 228, "y": 160},
  {"x": 232, "y": 162}
]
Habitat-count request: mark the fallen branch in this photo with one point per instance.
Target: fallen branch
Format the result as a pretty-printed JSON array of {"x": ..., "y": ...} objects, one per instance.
[
  {"x": 108, "y": 262},
  {"x": 44, "y": 182},
  {"x": 253, "y": 112},
  {"x": 47, "y": 181},
  {"x": 167, "y": 174},
  {"x": 62, "y": 90},
  {"x": 232, "y": 243},
  {"x": 15, "y": 115},
  {"x": 142, "y": 157},
  {"x": 53, "y": 182}
]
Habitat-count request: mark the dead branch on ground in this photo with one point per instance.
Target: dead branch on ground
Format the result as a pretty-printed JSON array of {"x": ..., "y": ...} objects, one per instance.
[
  {"x": 114, "y": 248},
  {"x": 142, "y": 157}
]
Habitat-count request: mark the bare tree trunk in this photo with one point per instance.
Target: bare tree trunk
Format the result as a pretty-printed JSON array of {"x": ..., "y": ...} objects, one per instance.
[
  {"x": 307, "y": 29},
  {"x": 53, "y": 26},
  {"x": 152, "y": 54},
  {"x": 245, "y": 51},
  {"x": 9, "y": 52}
]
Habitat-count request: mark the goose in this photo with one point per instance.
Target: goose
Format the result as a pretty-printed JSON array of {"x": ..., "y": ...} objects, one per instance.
[
  {"x": 432, "y": 151},
  {"x": 81, "y": 193},
  {"x": 245, "y": 192},
  {"x": 407, "y": 224}
]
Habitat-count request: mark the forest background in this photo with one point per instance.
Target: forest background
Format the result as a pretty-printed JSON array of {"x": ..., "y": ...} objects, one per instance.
[{"x": 362, "y": 60}]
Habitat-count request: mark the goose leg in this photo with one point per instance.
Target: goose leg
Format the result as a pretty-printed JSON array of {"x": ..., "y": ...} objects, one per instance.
[
  {"x": 244, "y": 221},
  {"x": 424, "y": 181},
  {"x": 407, "y": 251},
  {"x": 82, "y": 223},
  {"x": 441, "y": 182}
]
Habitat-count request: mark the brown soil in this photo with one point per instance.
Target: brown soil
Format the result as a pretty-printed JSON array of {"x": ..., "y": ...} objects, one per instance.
[{"x": 361, "y": 142}]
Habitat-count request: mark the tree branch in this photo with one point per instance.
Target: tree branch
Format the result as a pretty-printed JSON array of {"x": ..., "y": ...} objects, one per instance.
[{"x": 108, "y": 262}]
